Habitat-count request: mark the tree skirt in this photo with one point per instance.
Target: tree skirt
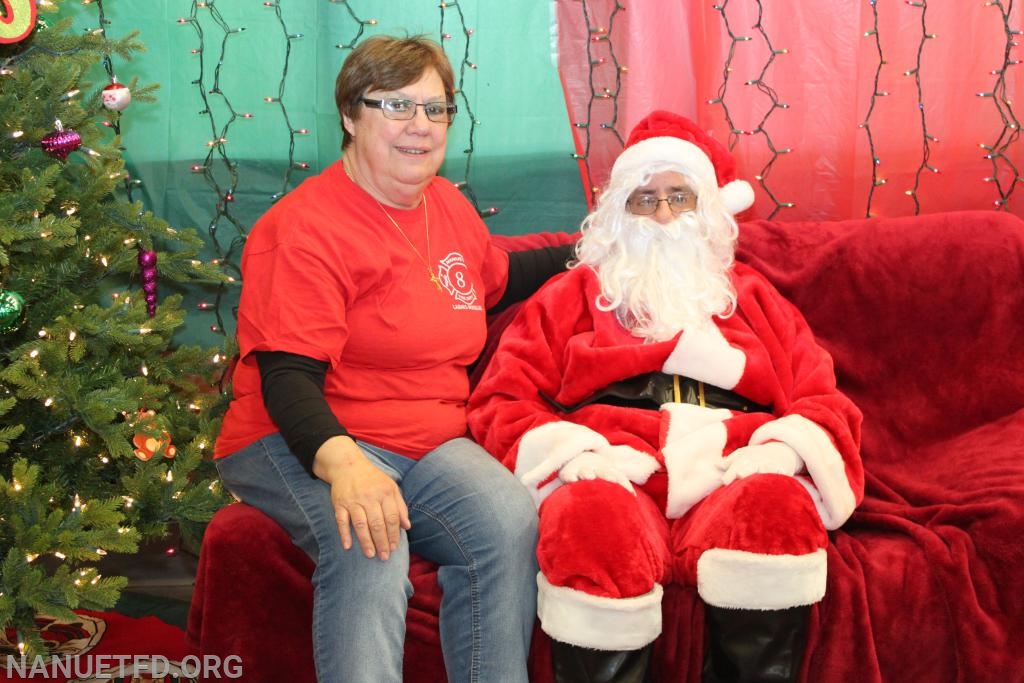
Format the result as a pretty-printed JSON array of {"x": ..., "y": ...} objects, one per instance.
[{"x": 109, "y": 647}]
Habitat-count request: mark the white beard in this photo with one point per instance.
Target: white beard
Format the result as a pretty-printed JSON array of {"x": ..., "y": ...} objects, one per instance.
[{"x": 662, "y": 279}]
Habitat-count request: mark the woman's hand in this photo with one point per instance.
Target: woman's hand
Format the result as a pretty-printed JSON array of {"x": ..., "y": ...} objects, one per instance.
[{"x": 365, "y": 499}]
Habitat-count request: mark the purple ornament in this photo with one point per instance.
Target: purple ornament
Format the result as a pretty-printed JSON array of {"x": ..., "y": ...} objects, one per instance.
[
  {"x": 147, "y": 263},
  {"x": 147, "y": 259},
  {"x": 60, "y": 143}
]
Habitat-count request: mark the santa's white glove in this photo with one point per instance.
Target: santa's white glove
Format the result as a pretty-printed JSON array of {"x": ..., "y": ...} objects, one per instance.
[
  {"x": 618, "y": 464},
  {"x": 636, "y": 465},
  {"x": 589, "y": 465},
  {"x": 773, "y": 457}
]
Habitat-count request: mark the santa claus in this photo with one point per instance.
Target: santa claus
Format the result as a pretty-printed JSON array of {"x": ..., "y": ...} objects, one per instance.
[{"x": 675, "y": 420}]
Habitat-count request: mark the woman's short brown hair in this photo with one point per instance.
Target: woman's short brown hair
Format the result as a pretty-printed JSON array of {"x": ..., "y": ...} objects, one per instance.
[{"x": 387, "y": 63}]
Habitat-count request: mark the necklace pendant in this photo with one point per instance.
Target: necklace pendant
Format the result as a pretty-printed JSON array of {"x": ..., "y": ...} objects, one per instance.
[{"x": 426, "y": 229}]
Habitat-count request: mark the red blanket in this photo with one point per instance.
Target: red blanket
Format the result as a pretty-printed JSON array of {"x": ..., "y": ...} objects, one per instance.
[{"x": 925, "y": 320}]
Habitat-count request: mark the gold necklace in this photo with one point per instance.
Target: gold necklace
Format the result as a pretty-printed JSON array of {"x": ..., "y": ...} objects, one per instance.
[{"x": 426, "y": 227}]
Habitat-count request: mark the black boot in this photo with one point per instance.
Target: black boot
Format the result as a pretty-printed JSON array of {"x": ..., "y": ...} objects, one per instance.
[
  {"x": 575, "y": 664},
  {"x": 754, "y": 646}
]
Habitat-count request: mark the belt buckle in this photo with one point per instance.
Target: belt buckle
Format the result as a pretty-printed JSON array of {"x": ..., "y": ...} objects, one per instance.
[{"x": 694, "y": 395}]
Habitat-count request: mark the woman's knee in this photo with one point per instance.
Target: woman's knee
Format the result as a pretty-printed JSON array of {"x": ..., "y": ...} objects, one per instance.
[
  {"x": 340, "y": 567},
  {"x": 498, "y": 500},
  {"x": 512, "y": 514}
]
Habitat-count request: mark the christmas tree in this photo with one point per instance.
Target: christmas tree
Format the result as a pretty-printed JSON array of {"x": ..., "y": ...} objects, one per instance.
[{"x": 106, "y": 424}]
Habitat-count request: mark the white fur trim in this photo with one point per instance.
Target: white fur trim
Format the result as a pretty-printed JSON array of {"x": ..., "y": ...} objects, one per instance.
[
  {"x": 545, "y": 449},
  {"x": 585, "y": 620},
  {"x": 665, "y": 150},
  {"x": 694, "y": 445},
  {"x": 738, "y": 579},
  {"x": 737, "y": 195},
  {"x": 685, "y": 418},
  {"x": 829, "y": 486},
  {"x": 703, "y": 354}
]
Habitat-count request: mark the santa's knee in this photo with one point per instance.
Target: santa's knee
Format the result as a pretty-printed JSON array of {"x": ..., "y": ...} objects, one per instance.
[
  {"x": 603, "y": 554},
  {"x": 758, "y": 543},
  {"x": 601, "y": 538}
]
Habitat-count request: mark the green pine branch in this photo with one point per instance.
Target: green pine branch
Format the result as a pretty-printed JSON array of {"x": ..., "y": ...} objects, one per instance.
[{"x": 80, "y": 375}]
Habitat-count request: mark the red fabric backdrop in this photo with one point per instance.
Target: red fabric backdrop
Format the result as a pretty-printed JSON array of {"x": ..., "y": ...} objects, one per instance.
[{"x": 675, "y": 53}]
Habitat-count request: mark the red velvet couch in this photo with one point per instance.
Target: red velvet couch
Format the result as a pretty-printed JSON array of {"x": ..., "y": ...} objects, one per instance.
[{"x": 924, "y": 317}]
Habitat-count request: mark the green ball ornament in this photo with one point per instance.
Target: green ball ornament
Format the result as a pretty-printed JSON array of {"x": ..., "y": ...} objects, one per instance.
[{"x": 12, "y": 311}]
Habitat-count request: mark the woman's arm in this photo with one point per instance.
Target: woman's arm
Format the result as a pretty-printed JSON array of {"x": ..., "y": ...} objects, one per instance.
[
  {"x": 529, "y": 269},
  {"x": 293, "y": 393}
]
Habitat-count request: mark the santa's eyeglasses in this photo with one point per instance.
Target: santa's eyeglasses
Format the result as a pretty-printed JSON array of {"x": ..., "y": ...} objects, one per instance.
[{"x": 647, "y": 204}]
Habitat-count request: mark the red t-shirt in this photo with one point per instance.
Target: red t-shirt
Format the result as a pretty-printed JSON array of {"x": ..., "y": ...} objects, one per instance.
[{"x": 327, "y": 275}]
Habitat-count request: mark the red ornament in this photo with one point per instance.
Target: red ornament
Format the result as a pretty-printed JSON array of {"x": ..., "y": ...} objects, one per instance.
[
  {"x": 147, "y": 264},
  {"x": 116, "y": 96},
  {"x": 60, "y": 143}
]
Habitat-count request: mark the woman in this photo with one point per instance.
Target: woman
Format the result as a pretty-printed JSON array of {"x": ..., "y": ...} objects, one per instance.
[{"x": 363, "y": 302}]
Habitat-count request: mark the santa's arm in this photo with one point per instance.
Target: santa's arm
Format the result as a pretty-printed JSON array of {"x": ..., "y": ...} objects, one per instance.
[
  {"x": 812, "y": 416},
  {"x": 526, "y": 365},
  {"x": 508, "y": 413}
]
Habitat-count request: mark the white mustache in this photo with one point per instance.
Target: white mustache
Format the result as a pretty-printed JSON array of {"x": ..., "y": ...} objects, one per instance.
[{"x": 684, "y": 225}]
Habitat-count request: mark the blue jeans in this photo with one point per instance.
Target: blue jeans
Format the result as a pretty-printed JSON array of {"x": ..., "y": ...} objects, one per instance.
[{"x": 468, "y": 514}]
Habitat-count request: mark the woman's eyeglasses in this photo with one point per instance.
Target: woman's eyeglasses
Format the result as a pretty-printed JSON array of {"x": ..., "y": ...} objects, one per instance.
[
  {"x": 403, "y": 110},
  {"x": 647, "y": 204}
]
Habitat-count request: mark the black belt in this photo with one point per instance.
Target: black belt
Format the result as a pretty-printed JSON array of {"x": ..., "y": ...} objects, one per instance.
[{"x": 652, "y": 389}]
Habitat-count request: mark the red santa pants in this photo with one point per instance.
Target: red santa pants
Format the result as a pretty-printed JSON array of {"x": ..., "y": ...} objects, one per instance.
[
  {"x": 604, "y": 553},
  {"x": 758, "y": 543}
]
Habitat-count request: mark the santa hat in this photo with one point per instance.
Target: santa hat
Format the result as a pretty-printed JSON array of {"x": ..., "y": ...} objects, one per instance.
[{"x": 669, "y": 139}]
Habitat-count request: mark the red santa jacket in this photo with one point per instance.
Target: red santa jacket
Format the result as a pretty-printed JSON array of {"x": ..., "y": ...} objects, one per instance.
[{"x": 562, "y": 347}]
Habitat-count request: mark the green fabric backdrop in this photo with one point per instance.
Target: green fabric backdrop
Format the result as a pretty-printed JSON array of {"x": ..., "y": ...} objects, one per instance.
[{"x": 521, "y": 160}]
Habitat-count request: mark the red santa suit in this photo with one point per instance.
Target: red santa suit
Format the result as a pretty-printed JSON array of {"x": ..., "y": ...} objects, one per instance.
[{"x": 606, "y": 547}]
